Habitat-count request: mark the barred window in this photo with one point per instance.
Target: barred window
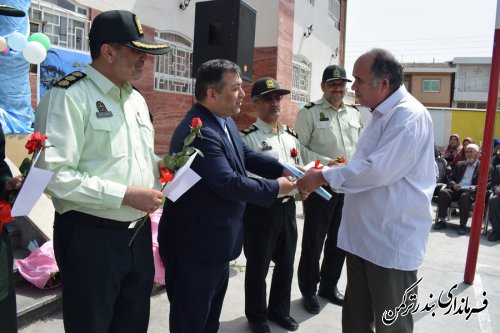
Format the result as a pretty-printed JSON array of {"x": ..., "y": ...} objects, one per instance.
[
  {"x": 334, "y": 12},
  {"x": 301, "y": 79},
  {"x": 65, "y": 23},
  {"x": 173, "y": 70}
]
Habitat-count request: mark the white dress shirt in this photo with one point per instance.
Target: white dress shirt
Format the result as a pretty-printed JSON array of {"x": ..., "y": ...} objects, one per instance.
[
  {"x": 389, "y": 184},
  {"x": 468, "y": 174}
]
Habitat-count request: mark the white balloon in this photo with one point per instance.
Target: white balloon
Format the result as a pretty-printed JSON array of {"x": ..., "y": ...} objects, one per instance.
[
  {"x": 17, "y": 41},
  {"x": 3, "y": 43},
  {"x": 34, "y": 52}
]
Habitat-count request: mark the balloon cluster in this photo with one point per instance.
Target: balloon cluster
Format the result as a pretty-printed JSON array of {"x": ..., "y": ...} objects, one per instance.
[{"x": 34, "y": 48}]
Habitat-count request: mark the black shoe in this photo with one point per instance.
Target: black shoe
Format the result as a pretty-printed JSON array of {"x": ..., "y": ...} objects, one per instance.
[
  {"x": 259, "y": 327},
  {"x": 286, "y": 322},
  {"x": 311, "y": 303},
  {"x": 441, "y": 224},
  {"x": 334, "y": 296},
  {"x": 494, "y": 236},
  {"x": 462, "y": 230}
]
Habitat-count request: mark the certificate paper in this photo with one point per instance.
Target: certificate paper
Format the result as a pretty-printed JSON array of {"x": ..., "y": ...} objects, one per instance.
[
  {"x": 299, "y": 174},
  {"x": 33, "y": 187},
  {"x": 184, "y": 179}
]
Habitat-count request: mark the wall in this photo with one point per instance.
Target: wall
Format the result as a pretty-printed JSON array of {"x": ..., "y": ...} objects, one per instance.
[
  {"x": 440, "y": 99},
  {"x": 320, "y": 45},
  {"x": 472, "y": 82},
  {"x": 461, "y": 121}
]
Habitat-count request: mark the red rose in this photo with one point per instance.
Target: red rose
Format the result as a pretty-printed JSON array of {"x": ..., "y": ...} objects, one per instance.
[
  {"x": 36, "y": 142},
  {"x": 317, "y": 165},
  {"x": 196, "y": 123},
  {"x": 293, "y": 152},
  {"x": 165, "y": 175},
  {"x": 5, "y": 212},
  {"x": 340, "y": 159}
]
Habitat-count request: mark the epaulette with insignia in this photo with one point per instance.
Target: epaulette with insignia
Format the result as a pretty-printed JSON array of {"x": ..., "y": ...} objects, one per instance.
[
  {"x": 309, "y": 105},
  {"x": 69, "y": 80},
  {"x": 249, "y": 130},
  {"x": 291, "y": 131},
  {"x": 352, "y": 105}
]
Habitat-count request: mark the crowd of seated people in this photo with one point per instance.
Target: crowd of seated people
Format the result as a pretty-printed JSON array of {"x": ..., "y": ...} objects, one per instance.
[
  {"x": 494, "y": 201},
  {"x": 460, "y": 183},
  {"x": 461, "y": 187},
  {"x": 494, "y": 205}
]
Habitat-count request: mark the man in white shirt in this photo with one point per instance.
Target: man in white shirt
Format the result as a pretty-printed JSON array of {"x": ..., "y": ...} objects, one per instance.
[
  {"x": 462, "y": 188},
  {"x": 388, "y": 187}
]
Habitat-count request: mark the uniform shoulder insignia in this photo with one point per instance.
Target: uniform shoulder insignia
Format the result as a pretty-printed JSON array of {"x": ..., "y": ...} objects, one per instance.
[
  {"x": 353, "y": 106},
  {"x": 70, "y": 79},
  {"x": 249, "y": 130},
  {"x": 291, "y": 131},
  {"x": 309, "y": 105}
]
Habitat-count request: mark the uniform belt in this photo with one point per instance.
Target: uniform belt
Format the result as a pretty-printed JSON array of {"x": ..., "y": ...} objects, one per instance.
[
  {"x": 102, "y": 222},
  {"x": 284, "y": 199}
]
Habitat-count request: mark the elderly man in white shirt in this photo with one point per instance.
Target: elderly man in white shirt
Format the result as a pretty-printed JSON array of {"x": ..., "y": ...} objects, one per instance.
[{"x": 387, "y": 210}]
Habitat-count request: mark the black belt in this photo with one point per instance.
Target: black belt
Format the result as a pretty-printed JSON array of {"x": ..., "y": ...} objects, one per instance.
[
  {"x": 283, "y": 199},
  {"x": 100, "y": 221}
]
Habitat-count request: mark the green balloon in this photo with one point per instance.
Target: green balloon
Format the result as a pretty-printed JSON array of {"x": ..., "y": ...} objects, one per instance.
[{"x": 41, "y": 38}]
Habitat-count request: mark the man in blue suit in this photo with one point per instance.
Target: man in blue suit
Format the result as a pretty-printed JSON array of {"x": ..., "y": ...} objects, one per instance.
[{"x": 203, "y": 230}]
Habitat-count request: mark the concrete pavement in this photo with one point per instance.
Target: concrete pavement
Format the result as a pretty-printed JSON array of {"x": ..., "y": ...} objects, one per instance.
[{"x": 443, "y": 267}]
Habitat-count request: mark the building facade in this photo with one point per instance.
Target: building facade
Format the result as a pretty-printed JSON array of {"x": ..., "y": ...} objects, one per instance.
[
  {"x": 431, "y": 83},
  {"x": 294, "y": 41},
  {"x": 472, "y": 82}
]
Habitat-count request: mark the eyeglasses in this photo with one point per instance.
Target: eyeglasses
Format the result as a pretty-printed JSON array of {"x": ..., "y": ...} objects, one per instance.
[{"x": 271, "y": 98}]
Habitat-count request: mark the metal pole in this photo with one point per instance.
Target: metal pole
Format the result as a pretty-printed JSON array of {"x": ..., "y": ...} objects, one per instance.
[{"x": 477, "y": 216}]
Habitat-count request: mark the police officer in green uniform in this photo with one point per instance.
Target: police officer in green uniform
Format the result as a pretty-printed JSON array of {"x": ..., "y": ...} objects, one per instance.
[
  {"x": 8, "y": 313},
  {"x": 270, "y": 232},
  {"x": 327, "y": 129},
  {"x": 105, "y": 181}
]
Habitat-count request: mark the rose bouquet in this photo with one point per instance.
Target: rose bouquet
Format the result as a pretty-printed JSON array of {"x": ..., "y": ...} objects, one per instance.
[{"x": 35, "y": 145}]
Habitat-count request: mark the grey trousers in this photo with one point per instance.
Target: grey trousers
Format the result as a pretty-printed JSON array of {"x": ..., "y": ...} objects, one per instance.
[{"x": 370, "y": 291}]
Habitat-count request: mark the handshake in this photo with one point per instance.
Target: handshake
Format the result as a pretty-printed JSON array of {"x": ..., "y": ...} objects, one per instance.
[{"x": 296, "y": 177}]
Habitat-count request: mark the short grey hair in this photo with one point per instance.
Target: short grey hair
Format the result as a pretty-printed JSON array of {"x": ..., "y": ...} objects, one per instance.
[{"x": 385, "y": 66}]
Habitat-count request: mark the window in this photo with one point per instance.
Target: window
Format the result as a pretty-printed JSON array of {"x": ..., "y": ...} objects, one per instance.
[
  {"x": 431, "y": 85},
  {"x": 65, "y": 23},
  {"x": 173, "y": 70},
  {"x": 334, "y": 12},
  {"x": 471, "y": 105},
  {"x": 301, "y": 79}
]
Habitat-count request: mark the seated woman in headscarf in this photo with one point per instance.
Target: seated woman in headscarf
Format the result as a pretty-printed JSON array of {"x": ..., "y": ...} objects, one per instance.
[
  {"x": 461, "y": 154},
  {"x": 451, "y": 151}
]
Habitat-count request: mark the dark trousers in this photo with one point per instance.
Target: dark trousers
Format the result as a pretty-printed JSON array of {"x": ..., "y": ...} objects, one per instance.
[
  {"x": 106, "y": 284},
  {"x": 370, "y": 291},
  {"x": 494, "y": 212},
  {"x": 463, "y": 199},
  {"x": 196, "y": 291},
  {"x": 321, "y": 219},
  {"x": 8, "y": 313},
  {"x": 270, "y": 234}
]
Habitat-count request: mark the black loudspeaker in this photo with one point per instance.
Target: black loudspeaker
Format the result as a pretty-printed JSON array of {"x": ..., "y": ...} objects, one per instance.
[{"x": 224, "y": 29}]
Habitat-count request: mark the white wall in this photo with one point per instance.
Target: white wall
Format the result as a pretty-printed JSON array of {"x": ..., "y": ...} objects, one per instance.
[
  {"x": 266, "y": 25},
  {"x": 165, "y": 15},
  {"x": 318, "y": 47}
]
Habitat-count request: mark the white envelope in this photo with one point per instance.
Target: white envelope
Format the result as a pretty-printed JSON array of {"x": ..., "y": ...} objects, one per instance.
[
  {"x": 184, "y": 179},
  {"x": 33, "y": 187}
]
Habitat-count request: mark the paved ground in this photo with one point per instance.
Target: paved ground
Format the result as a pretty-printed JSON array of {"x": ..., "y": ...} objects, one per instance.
[{"x": 443, "y": 268}]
